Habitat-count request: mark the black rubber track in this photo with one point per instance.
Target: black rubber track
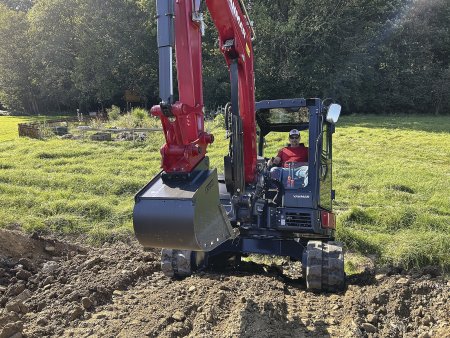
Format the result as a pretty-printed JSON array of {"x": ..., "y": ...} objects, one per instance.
[{"x": 325, "y": 266}]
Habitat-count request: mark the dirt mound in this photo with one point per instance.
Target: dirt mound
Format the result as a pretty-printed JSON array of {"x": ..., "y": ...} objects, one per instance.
[{"x": 54, "y": 288}]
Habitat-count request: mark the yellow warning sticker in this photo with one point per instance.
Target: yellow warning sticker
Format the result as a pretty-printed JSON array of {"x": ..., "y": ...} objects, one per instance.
[{"x": 247, "y": 49}]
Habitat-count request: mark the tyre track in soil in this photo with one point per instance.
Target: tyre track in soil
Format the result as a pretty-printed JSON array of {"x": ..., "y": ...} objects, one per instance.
[{"x": 58, "y": 288}]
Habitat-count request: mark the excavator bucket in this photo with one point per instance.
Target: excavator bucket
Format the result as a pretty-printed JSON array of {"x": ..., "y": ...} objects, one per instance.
[{"x": 186, "y": 215}]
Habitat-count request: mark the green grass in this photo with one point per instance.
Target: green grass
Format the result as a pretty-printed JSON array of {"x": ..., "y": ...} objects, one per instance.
[
  {"x": 9, "y": 127},
  {"x": 391, "y": 176},
  {"x": 73, "y": 186}
]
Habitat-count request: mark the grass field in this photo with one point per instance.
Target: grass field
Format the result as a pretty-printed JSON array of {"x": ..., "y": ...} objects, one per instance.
[
  {"x": 8, "y": 127},
  {"x": 391, "y": 175}
]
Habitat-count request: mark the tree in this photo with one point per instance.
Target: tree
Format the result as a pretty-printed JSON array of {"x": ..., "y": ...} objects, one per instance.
[
  {"x": 383, "y": 56},
  {"x": 17, "y": 89},
  {"x": 53, "y": 52},
  {"x": 114, "y": 50}
]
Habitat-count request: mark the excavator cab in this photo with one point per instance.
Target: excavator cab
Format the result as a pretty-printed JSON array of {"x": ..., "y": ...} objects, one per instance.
[{"x": 306, "y": 184}]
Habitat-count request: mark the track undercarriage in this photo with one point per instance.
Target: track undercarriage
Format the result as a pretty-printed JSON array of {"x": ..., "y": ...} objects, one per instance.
[{"x": 322, "y": 266}]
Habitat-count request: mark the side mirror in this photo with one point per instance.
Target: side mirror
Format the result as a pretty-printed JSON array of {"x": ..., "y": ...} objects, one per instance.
[{"x": 334, "y": 110}]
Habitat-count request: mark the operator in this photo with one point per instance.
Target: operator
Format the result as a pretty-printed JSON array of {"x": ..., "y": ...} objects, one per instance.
[{"x": 294, "y": 152}]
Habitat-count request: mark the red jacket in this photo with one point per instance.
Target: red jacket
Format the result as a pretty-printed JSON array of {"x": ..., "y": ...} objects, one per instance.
[{"x": 297, "y": 154}]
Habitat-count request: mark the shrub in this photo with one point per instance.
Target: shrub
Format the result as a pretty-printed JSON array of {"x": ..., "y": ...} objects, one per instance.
[
  {"x": 113, "y": 113},
  {"x": 125, "y": 121},
  {"x": 139, "y": 115},
  {"x": 219, "y": 121}
]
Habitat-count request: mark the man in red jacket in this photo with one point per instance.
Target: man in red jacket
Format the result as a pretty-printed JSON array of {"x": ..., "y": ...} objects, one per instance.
[{"x": 295, "y": 152}]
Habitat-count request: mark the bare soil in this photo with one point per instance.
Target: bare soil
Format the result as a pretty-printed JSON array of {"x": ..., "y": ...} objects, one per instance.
[{"x": 59, "y": 288}]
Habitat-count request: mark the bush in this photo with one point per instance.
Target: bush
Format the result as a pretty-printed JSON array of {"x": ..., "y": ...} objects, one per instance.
[
  {"x": 219, "y": 121},
  {"x": 139, "y": 115},
  {"x": 113, "y": 113}
]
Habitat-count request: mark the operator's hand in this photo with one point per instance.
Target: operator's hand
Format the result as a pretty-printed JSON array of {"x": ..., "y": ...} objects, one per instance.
[{"x": 274, "y": 161}]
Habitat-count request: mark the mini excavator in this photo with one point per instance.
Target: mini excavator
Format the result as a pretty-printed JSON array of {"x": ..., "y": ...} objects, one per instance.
[{"x": 198, "y": 217}]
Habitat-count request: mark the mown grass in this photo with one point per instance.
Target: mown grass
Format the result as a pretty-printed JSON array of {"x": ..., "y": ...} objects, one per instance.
[
  {"x": 393, "y": 189},
  {"x": 9, "y": 127},
  {"x": 391, "y": 176},
  {"x": 73, "y": 186}
]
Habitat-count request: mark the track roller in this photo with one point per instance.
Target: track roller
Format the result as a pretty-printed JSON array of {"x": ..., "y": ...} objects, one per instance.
[{"x": 324, "y": 266}]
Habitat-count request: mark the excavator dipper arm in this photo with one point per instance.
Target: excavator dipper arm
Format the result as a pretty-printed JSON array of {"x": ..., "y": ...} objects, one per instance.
[{"x": 235, "y": 42}]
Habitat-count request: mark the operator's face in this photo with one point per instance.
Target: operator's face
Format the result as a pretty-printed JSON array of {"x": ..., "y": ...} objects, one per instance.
[{"x": 294, "y": 140}]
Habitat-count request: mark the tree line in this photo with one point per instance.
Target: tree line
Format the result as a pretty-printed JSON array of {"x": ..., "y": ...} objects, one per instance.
[{"x": 372, "y": 56}]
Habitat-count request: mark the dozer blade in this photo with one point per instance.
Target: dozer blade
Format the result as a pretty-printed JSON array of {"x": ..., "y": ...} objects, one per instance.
[{"x": 184, "y": 215}]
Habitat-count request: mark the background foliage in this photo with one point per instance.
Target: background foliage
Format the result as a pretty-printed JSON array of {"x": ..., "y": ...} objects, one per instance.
[{"x": 389, "y": 56}]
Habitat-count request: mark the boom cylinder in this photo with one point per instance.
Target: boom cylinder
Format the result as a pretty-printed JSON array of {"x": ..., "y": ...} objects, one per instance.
[{"x": 165, "y": 23}]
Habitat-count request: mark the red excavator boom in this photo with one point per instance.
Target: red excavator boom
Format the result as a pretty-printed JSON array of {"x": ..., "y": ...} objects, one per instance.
[{"x": 182, "y": 121}]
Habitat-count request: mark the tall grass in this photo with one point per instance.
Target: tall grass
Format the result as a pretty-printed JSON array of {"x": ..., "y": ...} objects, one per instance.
[
  {"x": 391, "y": 177},
  {"x": 137, "y": 118}
]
